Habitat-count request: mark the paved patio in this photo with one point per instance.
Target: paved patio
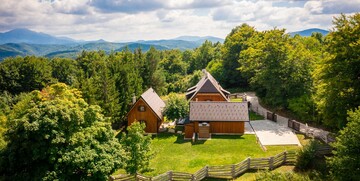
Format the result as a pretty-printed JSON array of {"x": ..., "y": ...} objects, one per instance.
[
  {"x": 270, "y": 133},
  {"x": 248, "y": 128}
]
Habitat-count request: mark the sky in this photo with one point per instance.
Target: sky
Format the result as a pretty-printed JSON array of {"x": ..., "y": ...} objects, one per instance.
[{"x": 127, "y": 20}]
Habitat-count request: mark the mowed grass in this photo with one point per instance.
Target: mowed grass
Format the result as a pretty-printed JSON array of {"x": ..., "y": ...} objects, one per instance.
[
  {"x": 255, "y": 116},
  {"x": 175, "y": 153}
]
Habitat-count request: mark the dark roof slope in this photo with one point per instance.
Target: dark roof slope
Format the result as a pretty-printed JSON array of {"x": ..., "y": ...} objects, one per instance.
[
  {"x": 154, "y": 101},
  {"x": 207, "y": 84}
]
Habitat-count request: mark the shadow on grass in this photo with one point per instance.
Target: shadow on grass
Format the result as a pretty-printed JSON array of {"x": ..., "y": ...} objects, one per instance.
[
  {"x": 180, "y": 138},
  {"x": 216, "y": 179},
  {"x": 227, "y": 137}
]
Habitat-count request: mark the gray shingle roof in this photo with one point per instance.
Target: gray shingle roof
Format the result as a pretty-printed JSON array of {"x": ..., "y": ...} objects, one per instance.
[
  {"x": 154, "y": 101},
  {"x": 207, "y": 84},
  {"x": 218, "y": 111}
]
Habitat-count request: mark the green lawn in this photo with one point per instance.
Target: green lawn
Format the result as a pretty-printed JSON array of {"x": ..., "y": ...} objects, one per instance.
[
  {"x": 254, "y": 116},
  {"x": 175, "y": 153},
  {"x": 236, "y": 99}
]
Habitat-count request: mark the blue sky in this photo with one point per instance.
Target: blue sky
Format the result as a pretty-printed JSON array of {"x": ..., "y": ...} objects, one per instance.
[{"x": 123, "y": 20}]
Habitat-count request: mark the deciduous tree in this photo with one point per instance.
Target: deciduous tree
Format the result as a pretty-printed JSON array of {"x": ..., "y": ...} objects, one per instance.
[
  {"x": 337, "y": 76},
  {"x": 176, "y": 107},
  {"x": 55, "y": 135},
  {"x": 345, "y": 164},
  {"x": 138, "y": 147}
]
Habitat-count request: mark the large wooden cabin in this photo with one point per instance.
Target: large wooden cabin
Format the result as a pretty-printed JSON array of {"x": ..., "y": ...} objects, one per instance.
[
  {"x": 210, "y": 117},
  {"x": 211, "y": 111},
  {"x": 147, "y": 109}
]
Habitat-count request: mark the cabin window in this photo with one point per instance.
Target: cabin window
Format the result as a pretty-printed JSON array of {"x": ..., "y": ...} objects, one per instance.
[
  {"x": 141, "y": 108},
  {"x": 143, "y": 122}
]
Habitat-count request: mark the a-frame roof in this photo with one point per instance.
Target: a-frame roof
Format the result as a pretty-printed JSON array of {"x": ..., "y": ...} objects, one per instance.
[
  {"x": 207, "y": 84},
  {"x": 152, "y": 99}
]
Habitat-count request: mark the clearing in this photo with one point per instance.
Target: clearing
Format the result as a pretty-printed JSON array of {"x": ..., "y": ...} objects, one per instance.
[{"x": 175, "y": 153}]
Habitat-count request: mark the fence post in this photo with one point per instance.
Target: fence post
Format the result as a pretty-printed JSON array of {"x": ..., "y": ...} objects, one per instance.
[
  {"x": 193, "y": 177},
  {"x": 170, "y": 175},
  {"x": 233, "y": 171},
  {"x": 271, "y": 163},
  {"x": 248, "y": 163},
  {"x": 206, "y": 171},
  {"x": 285, "y": 157},
  {"x": 111, "y": 178}
]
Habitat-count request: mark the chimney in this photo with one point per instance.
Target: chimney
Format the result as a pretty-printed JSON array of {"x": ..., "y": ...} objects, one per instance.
[{"x": 133, "y": 99}]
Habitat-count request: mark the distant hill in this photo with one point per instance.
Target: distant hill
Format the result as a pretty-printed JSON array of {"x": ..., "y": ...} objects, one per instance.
[
  {"x": 143, "y": 47},
  {"x": 308, "y": 32},
  {"x": 172, "y": 44},
  {"x": 22, "y": 35},
  {"x": 200, "y": 39},
  {"x": 22, "y": 42}
]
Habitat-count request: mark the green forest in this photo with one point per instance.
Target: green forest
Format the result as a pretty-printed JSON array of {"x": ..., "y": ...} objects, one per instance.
[{"x": 59, "y": 113}]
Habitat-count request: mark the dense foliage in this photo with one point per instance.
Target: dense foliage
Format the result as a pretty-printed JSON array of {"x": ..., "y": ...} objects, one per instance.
[
  {"x": 306, "y": 156},
  {"x": 55, "y": 134},
  {"x": 176, "y": 107},
  {"x": 138, "y": 148},
  {"x": 345, "y": 165},
  {"x": 338, "y": 73},
  {"x": 278, "y": 176},
  {"x": 316, "y": 78}
]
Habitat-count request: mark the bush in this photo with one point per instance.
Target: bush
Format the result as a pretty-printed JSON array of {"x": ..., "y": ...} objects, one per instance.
[
  {"x": 278, "y": 176},
  {"x": 306, "y": 156},
  {"x": 176, "y": 107}
]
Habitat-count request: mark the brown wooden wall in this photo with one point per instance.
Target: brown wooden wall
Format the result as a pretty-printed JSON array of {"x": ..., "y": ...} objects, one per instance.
[
  {"x": 227, "y": 127},
  {"x": 189, "y": 130},
  {"x": 208, "y": 96},
  {"x": 152, "y": 121}
]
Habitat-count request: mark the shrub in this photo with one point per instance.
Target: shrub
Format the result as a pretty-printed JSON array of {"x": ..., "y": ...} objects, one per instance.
[
  {"x": 278, "y": 176},
  {"x": 306, "y": 156}
]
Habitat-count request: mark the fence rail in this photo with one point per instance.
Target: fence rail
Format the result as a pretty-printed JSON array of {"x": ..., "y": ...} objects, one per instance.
[{"x": 220, "y": 171}]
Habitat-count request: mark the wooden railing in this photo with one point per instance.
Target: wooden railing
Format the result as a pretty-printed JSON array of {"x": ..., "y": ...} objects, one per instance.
[{"x": 223, "y": 171}]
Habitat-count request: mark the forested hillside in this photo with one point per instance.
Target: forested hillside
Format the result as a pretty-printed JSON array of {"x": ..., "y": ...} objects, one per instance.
[{"x": 316, "y": 78}]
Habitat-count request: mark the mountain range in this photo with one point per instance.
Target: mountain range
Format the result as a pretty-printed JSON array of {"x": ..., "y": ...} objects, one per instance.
[{"x": 22, "y": 42}]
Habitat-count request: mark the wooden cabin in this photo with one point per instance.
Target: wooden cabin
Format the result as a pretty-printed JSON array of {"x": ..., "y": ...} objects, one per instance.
[
  {"x": 211, "y": 111},
  {"x": 212, "y": 117},
  {"x": 207, "y": 89},
  {"x": 147, "y": 109}
]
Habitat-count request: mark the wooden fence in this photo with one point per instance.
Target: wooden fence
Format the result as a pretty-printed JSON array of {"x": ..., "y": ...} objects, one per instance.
[
  {"x": 294, "y": 125},
  {"x": 223, "y": 171},
  {"x": 271, "y": 116}
]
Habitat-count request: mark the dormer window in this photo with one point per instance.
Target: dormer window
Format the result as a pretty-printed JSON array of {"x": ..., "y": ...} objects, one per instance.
[{"x": 141, "y": 108}]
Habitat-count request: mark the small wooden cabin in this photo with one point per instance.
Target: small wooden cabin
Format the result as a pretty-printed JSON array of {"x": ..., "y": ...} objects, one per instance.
[
  {"x": 147, "y": 109},
  {"x": 207, "y": 89},
  {"x": 216, "y": 118}
]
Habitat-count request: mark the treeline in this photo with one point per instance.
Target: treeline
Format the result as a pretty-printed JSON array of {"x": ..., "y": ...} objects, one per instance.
[
  {"x": 109, "y": 81},
  {"x": 316, "y": 78}
]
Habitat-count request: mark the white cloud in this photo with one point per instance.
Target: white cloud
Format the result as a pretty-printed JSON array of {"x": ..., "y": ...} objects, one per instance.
[
  {"x": 333, "y": 6},
  {"x": 157, "y": 19}
]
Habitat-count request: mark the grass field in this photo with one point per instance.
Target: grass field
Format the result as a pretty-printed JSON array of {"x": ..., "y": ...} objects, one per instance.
[
  {"x": 254, "y": 116},
  {"x": 175, "y": 153}
]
